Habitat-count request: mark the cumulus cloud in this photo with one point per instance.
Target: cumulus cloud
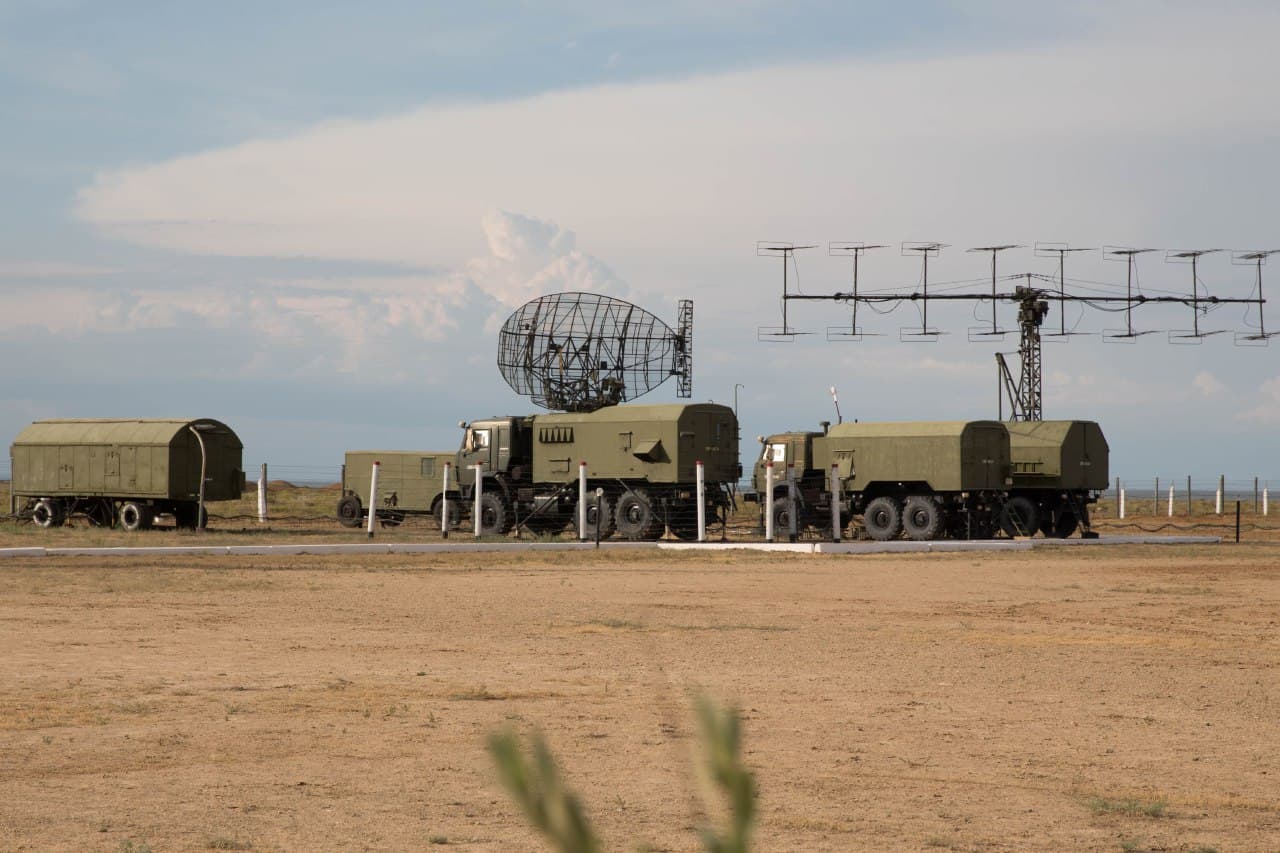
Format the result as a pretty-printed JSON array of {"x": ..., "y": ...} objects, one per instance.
[
  {"x": 1267, "y": 410},
  {"x": 1208, "y": 385}
]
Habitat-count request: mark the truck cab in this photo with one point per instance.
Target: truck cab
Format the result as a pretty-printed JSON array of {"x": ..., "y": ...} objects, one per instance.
[
  {"x": 503, "y": 445},
  {"x": 785, "y": 449}
]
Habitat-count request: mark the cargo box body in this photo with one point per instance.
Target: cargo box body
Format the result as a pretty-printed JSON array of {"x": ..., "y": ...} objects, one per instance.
[
  {"x": 410, "y": 481},
  {"x": 155, "y": 459},
  {"x": 945, "y": 456},
  {"x": 1059, "y": 455},
  {"x": 658, "y": 444}
]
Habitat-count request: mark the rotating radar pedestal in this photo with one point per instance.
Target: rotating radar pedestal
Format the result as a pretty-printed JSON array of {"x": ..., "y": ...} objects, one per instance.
[{"x": 578, "y": 352}]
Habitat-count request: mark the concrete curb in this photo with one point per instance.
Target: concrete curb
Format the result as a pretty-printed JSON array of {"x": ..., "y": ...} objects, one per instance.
[{"x": 324, "y": 549}]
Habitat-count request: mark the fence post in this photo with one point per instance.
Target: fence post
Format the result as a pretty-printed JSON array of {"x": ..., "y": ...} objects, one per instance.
[
  {"x": 835, "y": 502},
  {"x": 262, "y": 495},
  {"x": 582, "y": 502},
  {"x": 1171, "y": 501},
  {"x": 1155, "y": 499},
  {"x": 768, "y": 501},
  {"x": 1237, "y": 521},
  {"x": 1222, "y": 494},
  {"x": 444, "y": 505},
  {"x": 1119, "y": 500},
  {"x": 1122, "y": 504},
  {"x": 701, "y": 495},
  {"x": 373, "y": 499},
  {"x": 475, "y": 510},
  {"x": 1255, "y": 495},
  {"x": 1264, "y": 501},
  {"x": 1189, "y": 494},
  {"x": 793, "y": 527}
]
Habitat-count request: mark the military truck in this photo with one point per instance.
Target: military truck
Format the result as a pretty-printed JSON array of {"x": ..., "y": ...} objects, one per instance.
[
  {"x": 124, "y": 471},
  {"x": 925, "y": 479},
  {"x": 642, "y": 459},
  {"x": 410, "y": 482},
  {"x": 1059, "y": 469}
]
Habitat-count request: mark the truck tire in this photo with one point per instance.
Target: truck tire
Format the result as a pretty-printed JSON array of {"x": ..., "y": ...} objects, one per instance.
[
  {"x": 1019, "y": 517},
  {"x": 635, "y": 518},
  {"x": 135, "y": 516},
  {"x": 922, "y": 518},
  {"x": 781, "y": 510},
  {"x": 48, "y": 513},
  {"x": 883, "y": 519},
  {"x": 455, "y": 512},
  {"x": 599, "y": 516},
  {"x": 1061, "y": 527},
  {"x": 493, "y": 515},
  {"x": 349, "y": 512}
]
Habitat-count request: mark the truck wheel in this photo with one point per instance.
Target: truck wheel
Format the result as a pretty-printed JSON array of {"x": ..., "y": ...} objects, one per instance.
[
  {"x": 493, "y": 515},
  {"x": 782, "y": 518},
  {"x": 135, "y": 516},
  {"x": 883, "y": 519},
  {"x": 635, "y": 518},
  {"x": 1019, "y": 517},
  {"x": 48, "y": 513},
  {"x": 455, "y": 512},
  {"x": 599, "y": 515},
  {"x": 922, "y": 518},
  {"x": 349, "y": 512},
  {"x": 1061, "y": 527}
]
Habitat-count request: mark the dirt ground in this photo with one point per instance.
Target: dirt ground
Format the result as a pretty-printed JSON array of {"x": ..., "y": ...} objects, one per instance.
[{"x": 1108, "y": 699}]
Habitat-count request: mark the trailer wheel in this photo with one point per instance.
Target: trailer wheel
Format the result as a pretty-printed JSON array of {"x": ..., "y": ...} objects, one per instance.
[
  {"x": 48, "y": 513},
  {"x": 135, "y": 516},
  {"x": 493, "y": 515},
  {"x": 922, "y": 518},
  {"x": 782, "y": 518},
  {"x": 635, "y": 518},
  {"x": 349, "y": 512},
  {"x": 883, "y": 519},
  {"x": 1019, "y": 517},
  {"x": 455, "y": 512}
]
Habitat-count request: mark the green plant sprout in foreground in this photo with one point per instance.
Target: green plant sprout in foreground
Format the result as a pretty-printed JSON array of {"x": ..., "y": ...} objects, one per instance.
[{"x": 535, "y": 783}]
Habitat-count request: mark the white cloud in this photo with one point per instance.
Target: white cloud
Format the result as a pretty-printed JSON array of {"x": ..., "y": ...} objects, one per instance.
[
  {"x": 1208, "y": 384},
  {"x": 1023, "y": 143},
  {"x": 1267, "y": 410}
]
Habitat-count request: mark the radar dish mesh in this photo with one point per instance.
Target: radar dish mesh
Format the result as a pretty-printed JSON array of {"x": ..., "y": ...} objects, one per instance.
[{"x": 578, "y": 352}]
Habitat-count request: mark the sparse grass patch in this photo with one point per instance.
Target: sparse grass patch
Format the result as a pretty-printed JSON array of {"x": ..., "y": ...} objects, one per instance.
[
  {"x": 131, "y": 846},
  {"x": 221, "y": 843},
  {"x": 138, "y": 708},
  {"x": 477, "y": 694},
  {"x": 1126, "y": 806},
  {"x": 615, "y": 623},
  {"x": 439, "y": 839}
]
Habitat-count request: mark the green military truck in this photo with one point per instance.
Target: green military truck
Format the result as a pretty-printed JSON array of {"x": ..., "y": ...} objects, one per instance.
[
  {"x": 1059, "y": 469},
  {"x": 641, "y": 458},
  {"x": 925, "y": 479},
  {"x": 124, "y": 471},
  {"x": 410, "y": 482}
]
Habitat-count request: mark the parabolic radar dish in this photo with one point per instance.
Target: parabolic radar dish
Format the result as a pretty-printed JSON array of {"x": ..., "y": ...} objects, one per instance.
[{"x": 578, "y": 352}]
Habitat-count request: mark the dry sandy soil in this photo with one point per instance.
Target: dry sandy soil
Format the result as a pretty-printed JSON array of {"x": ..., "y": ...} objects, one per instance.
[{"x": 1120, "y": 698}]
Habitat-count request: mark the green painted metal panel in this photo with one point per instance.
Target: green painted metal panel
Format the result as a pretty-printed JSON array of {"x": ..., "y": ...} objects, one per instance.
[
  {"x": 155, "y": 459},
  {"x": 1060, "y": 455},
  {"x": 404, "y": 481}
]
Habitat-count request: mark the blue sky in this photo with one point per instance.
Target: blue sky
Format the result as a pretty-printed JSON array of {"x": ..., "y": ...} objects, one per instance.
[{"x": 308, "y": 220}]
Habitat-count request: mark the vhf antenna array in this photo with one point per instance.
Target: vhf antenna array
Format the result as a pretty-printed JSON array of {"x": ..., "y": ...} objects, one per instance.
[{"x": 1032, "y": 298}]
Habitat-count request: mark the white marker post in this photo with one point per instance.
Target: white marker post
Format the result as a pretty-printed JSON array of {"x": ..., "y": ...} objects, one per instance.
[
  {"x": 768, "y": 501},
  {"x": 373, "y": 498},
  {"x": 444, "y": 505},
  {"x": 1217, "y": 502},
  {"x": 701, "y": 494},
  {"x": 262, "y": 495},
  {"x": 479, "y": 466},
  {"x": 582, "y": 501},
  {"x": 1122, "y": 503},
  {"x": 1264, "y": 501},
  {"x": 835, "y": 502},
  {"x": 1171, "y": 501}
]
